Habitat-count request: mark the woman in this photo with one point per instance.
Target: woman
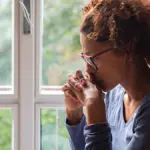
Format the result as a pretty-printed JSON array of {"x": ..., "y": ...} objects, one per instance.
[{"x": 115, "y": 90}]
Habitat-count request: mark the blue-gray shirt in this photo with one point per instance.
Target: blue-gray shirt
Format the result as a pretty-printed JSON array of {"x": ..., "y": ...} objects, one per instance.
[{"x": 116, "y": 134}]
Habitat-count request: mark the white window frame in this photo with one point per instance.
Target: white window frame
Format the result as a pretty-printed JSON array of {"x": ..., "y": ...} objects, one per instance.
[
  {"x": 27, "y": 84},
  {"x": 27, "y": 98},
  {"x": 45, "y": 96},
  {"x": 21, "y": 98},
  {"x": 9, "y": 94}
]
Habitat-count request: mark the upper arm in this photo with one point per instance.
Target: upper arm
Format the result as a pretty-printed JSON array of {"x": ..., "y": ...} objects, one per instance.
[{"x": 141, "y": 129}]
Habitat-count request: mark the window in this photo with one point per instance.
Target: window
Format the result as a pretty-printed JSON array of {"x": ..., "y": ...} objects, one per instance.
[
  {"x": 6, "y": 128},
  {"x": 60, "y": 40},
  {"x": 58, "y": 48},
  {"x": 8, "y": 46},
  {"x": 33, "y": 67},
  {"x": 8, "y": 75},
  {"x": 9, "y": 125},
  {"x": 51, "y": 128},
  {"x": 6, "y": 42}
]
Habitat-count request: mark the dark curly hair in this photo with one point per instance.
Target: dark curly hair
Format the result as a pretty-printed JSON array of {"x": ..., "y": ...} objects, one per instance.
[{"x": 125, "y": 22}]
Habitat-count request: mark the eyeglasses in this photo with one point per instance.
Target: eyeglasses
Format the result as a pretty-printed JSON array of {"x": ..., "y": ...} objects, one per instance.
[{"x": 91, "y": 59}]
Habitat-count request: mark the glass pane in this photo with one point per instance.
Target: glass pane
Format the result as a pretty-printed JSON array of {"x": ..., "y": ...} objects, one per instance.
[
  {"x": 5, "y": 129},
  {"x": 63, "y": 143},
  {"x": 5, "y": 42},
  {"x": 60, "y": 40},
  {"x": 54, "y": 135}
]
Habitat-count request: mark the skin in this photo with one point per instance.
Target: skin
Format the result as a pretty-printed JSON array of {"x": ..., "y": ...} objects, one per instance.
[{"x": 114, "y": 67}]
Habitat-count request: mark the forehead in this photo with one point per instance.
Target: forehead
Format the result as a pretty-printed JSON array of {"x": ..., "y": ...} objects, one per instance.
[{"x": 91, "y": 46}]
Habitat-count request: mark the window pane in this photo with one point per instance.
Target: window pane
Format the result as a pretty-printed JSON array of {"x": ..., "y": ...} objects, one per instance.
[
  {"x": 61, "y": 42},
  {"x": 54, "y": 135},
  {"x": 5, "y": 42},
  {"x": 5, "y": 129}
]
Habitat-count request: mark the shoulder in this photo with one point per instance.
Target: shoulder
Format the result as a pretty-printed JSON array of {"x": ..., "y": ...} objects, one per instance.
[{"x": 143, "y": 115}]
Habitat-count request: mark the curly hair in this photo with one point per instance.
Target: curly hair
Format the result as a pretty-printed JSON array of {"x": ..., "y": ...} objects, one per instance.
[{"x": 125, "y": 22}]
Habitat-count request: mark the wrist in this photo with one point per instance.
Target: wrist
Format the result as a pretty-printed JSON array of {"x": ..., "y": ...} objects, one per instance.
[
  {"x": 74, "y": 116},
  {"x": 95, "y": 113}
]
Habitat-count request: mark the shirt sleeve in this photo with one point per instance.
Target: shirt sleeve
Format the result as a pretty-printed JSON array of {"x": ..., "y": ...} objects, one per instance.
[
  {"x": 141, "y": 129},
  {"x": 76, "y": 137},
  {"x": 98, "y": 137}
]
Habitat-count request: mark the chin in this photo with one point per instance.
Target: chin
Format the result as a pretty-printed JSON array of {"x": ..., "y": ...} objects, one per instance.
[
  {"x": 104, "y": 86},
  {"x": 100, "y": 85}
]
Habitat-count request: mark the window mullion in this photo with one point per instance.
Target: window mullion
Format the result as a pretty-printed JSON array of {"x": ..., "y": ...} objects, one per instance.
[{"x": 26, "y": 85}]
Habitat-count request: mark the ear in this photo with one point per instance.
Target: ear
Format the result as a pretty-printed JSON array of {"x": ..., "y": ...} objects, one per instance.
[
  {"x": 145, "y": 2},
  {"x": 131, "y": 50},
  {"x": 147, "y": 59},
  {"x": 128, "y": 58}
]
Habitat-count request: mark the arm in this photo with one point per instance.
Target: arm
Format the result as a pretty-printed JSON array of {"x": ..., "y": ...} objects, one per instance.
[
  {"x": 97, "y": 137},
  {"x": 77, "y": 140},
  {"x": 141, "y": 129},
  {"x": 97, "y": 132},
  {"x": 86, "y": 95}
]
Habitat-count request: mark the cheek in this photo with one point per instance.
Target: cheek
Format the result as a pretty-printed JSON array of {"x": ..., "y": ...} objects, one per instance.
[
  {"x": 109, "y": 66},
  {"x": 103, "y": 66},
  {"x": 108, "y": 69}
]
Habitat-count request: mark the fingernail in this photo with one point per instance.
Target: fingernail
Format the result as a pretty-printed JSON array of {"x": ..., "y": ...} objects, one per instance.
[
  {"x": 78, "y": 86},
  {"x": 76, "y": 100},
  {"x": 83, "y": 82},
  {"x": 79, "y": 71}
]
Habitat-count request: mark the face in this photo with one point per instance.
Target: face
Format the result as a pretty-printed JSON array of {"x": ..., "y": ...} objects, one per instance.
[{"x": 110, "y": 65}]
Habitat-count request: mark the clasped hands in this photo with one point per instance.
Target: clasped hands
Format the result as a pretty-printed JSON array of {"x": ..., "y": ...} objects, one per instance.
[{"x": 82, "y": 89}]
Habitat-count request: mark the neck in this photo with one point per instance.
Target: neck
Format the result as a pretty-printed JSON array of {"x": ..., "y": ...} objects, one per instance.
[{"x": 137, "y": 83}]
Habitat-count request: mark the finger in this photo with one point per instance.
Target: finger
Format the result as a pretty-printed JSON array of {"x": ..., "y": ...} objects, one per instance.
[
  {"x": 70, "y": 94},
  {"x": 83, "y": 82},
  {"x": 87, "y": 76},
  {"x": 66, "y": 87},
  {"x": 79, "y": 74},
  {"x": 81, "y": 78},
  {"x": 72, "y": 82},
  {"x": 78, "y": 87},
  {"x": 90, "y": 77}
]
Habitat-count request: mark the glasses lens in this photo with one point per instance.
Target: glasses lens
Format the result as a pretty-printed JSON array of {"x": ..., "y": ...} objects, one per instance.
[{"x": 90, "y": 62}]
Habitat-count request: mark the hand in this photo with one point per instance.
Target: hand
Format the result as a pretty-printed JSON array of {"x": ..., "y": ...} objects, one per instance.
[
  {"x": 84, "y": 88},
  {"x": 90, "y": 96},
  {"x": 71, "y": 101},
  {"x": 74, "y": 108}
]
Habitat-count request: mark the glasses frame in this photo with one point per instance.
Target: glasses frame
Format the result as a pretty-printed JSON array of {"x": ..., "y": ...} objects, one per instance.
[{"x": 91, "y": 59}]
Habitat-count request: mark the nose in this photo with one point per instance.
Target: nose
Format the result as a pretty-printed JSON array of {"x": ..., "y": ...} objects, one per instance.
[{"x": 89, "y": 69}]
